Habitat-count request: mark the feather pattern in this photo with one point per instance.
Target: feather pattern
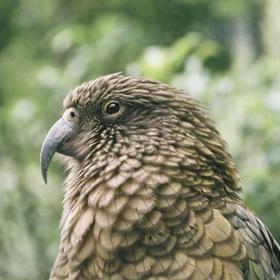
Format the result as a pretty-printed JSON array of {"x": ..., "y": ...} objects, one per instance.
[{"x": 152, "y": 193}]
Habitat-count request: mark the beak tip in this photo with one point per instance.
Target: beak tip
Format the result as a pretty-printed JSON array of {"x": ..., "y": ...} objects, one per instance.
[
  {"x": 45, "y": 179},
  {"x": 44, "y": 173}
]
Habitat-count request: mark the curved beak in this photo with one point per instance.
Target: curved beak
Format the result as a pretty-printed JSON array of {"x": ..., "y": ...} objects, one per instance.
[{"x": 54, "y": 141}]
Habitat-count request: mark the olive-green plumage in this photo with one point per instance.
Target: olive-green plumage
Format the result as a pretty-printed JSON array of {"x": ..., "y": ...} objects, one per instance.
[{"x": 152, "y": 192}]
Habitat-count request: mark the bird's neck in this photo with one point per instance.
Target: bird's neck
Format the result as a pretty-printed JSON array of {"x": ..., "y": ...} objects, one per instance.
[{"x": 130, "y": 184}]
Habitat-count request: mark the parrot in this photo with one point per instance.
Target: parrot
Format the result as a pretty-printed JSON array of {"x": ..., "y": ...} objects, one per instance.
[{"x": 151, "y": 191}]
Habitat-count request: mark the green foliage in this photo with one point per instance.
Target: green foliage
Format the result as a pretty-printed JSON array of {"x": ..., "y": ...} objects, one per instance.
[{"x": 221, "y": 52}]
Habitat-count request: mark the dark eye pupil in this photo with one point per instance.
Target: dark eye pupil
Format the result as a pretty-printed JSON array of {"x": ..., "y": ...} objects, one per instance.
[
  {"x": 112, "y": 108},
  {"x": 72, "y": 114}
]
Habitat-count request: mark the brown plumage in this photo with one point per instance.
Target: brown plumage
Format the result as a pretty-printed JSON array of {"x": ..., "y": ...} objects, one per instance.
[{"x": 152, "y": 192}]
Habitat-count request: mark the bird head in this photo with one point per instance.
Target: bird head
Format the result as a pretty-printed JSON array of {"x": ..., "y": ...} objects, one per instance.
[{"x": 120, "y": 117}]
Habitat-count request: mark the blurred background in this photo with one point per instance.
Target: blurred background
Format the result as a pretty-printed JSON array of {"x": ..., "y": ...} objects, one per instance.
[{"x": 224, "y": 53}]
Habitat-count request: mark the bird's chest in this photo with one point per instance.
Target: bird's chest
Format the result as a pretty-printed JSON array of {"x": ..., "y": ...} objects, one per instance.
[
  {"x": 131, "y": 221},
  {"x": 127, "y": 227}
]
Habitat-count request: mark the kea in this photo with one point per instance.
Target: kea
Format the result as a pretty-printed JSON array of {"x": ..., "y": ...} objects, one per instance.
[{"x": 151, "y": 192}]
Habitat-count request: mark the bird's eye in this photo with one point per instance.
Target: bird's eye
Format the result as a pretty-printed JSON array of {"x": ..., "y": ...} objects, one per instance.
[
  {"x": 112, "y": 108},
  {"x": 72, "y": 114}
]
